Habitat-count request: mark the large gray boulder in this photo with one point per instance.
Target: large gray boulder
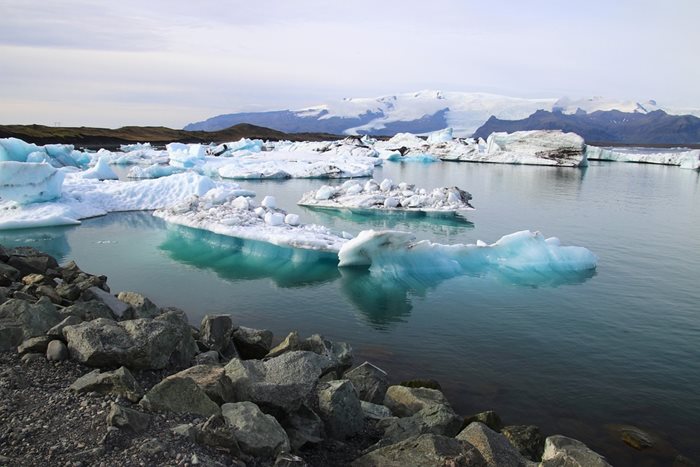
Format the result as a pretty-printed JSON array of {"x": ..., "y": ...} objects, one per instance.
[
  {"x": 371, "y": 382},
  {"x": 217, "y": 432},
  {"x": 20, "y": 320},
  {"x": 28, "y": 260},
  {"x": 186, "y": 347},
  {"x": 56, "y": 332},
  {"x": 560, "y": 451},
  {"x": 340, "y": 409},
  {"x": 527, "y": 439},
  {"x": 140, "y": 306},
  {"x": 252, "y": 343},
  {"x": 258, "y": 434},
  {"x": 34, "y": 345},
  {"x": 116, "y": 306},
  {"x": 288, "y": 344},
  {"x": 426, "y": 450},
  {"x": 119, "y": 382},
  {"x": 126, "y": 418},
  {"x": 375, "y": 411},
  {"x": 212, "y": 380},
  {"x": 87, "y": 311},
  {"x": 303, "y": 427},
  {"x": 494, "y": 447},
  {"x": 215, "y": 331},
  {"x": 338, "y": 355},
  {"x": 489, "y": 418},
  {"x": 281, "y": 383},
  {"x": 404, "y": 401},
  {"x": 139, "y": 343},
  {"x": 179, "y": 395},
  {"x": 435, "y": 419}
]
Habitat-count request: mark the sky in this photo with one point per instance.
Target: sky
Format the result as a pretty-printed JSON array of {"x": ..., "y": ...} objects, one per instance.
[{"x": 172, "y": 62}]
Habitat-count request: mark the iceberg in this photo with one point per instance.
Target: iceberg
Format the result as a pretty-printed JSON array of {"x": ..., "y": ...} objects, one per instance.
[
  {"x": 58, "y": 155},
  {"x": 395, "y": 253},
  {"x": 291, "y": 164},
  {"x": 185, "y": 156},
  {"x": 29, "y": 182},
  {"x": 244, "y": 145},
  {"x": 372, "y": 195},
  {"x": 538, "y": 147},
  {"x": 100, "y": 171},
  {"x": 83, "y": 198},
  {"x": 440, "y": 136},
  {"x": 685, "y": 158},
  {"x": 152, "y": 171},
  {"x": 240, "y": 217}
]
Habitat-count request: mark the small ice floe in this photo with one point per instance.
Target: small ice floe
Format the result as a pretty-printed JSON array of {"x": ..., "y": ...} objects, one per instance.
[
  {"x": 244, "y": 218},
  {"x": 388, "y": 196}
]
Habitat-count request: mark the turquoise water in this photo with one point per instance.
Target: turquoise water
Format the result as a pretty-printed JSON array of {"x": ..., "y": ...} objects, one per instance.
[{"x": 572, "y": 355}]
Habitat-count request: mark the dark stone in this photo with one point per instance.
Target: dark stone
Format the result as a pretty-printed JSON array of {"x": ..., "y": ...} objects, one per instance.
[
  {"x": 215, "y": 331},
  {"x": 527, "y": 439},
  {"x": 252, "y": 343},
  {"x": 126, "y": 418},
  {"x": 370, "y": 382},
  {"x": 488, "y": 418},
  {"x": 426, "y": 450}
]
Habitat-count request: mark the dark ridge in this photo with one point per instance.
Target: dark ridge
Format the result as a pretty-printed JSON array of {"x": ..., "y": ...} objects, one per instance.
[
  {"x": 611, "y": 127},
  {"x": 104, "y": 137}
]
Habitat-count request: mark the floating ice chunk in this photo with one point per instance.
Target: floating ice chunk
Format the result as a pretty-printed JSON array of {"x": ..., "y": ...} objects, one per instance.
[
  {"x": 448, "y": 200},
  {"x": 274, "y": 218},
  {"x": 27, "y": 182},
  {"x": 354, "y": 189},
  {"x": 152, "y": 171},
  {"x": 259, "y": 211},
  {"x": 291, "y": 219},
  {"x": 269, "y": 202},
  {"x": 538, "y": 147},
  {"x": 685, "y": 158},
  {"x": 135, "y": 147},
  {"x": 101, "y": 171},
  {"x": 241, "y": 203},
  {"x": 440, "y": 136},
  {"x": 397, "y": 252},
  {"x": 14, "y": 149},
  {"x": 185, "y": 156},
  {"x": 325, "y": 192},
  {"x": 691, "y": 160}
]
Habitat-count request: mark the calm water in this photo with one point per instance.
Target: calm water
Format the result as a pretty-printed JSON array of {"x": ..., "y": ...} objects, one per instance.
[{"x": 620, "y": 346}]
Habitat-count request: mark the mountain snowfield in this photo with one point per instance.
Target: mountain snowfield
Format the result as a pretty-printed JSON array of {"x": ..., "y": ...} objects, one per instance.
[{"x": 421, "y": 112}]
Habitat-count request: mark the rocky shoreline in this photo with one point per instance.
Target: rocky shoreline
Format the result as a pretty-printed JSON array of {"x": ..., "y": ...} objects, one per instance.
[{"x": 92, "y": 378}]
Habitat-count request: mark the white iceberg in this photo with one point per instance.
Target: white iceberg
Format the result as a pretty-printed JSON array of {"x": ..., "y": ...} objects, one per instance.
[
  {"x": 29, "y": 182},
  {"x": 83, "y": 198},
  {"x": 152, "y": 171},
  {"x": 244, "y": 219},
  {"x": 58, "y": 155},
  {"x": 244, "y": 145},
  {"x": 387, "y": 196},
  {"x": 685, "y": 158},
  {"x": 291, "y": 164},
  {"x": 440, "y": 136},
  {"x": 538, "y": 147},
  {"x": 185, "y": 156},
  {"x": 101, "y": 171},
  {"x": 393, "y": 252}
]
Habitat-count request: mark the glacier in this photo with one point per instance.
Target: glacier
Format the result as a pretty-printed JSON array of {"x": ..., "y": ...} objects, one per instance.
[
  {"x": 684, "y": 158},
  {"x": 388, "y": 196}
]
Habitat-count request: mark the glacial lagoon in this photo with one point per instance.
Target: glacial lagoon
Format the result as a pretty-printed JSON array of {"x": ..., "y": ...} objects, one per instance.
[{"x": 571, "y": 353}]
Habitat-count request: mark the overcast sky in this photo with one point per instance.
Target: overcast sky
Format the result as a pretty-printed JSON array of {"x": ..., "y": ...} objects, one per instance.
[{"x": 171, "y": 62}]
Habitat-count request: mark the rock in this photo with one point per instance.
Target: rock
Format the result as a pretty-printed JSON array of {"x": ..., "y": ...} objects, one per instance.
[
  {"x": 87, "y": 311},
  {"x": 119, "y": 382},
  {"x": 125, "y": 418},
  {"x": 303, "y": 427},
  {"x": 375, "y": 411},
  {"x": 339, "y": 408},
  {"x": 212, "y": 380},
  {"x": 20, "y": 320},
  {"x": 50, "y": 293},
  {"x": 70, "y": 292},
  {"x": 70, "y": 271},
  {"x": 186, "y": 430},
  {"x": 56, "y": 332},
  {"x": 488, "y": 418},
  {"x": 116, "y": 306},
  {"x": 34, "y": 345},
  {"x": 287, "y": 459},
  {"x": 281, "y": 383},
  {"x": 34, "y": 279},
  {"x": 560, "y": 451},
  {"x": 9, "y": 273},
  {"x": 422, "y": 383},
  {"x": 423, "y": 451},
  {"x": 207, "y": 358},
  {"x": 216, "y": 432},
  {"x": 635, "y": 437},
  {"x": 258, "y": 434},
  {"x": 31, "y": 358},
  {"x": 28, "y": 260},
  {"x": 494, "y": 447},
  {"x": 404, "y": 402},
  {"x": 215, "y": 331},
  {"x": 252, "y": 343},
  {"x": 57, "y": 351},
  {"x": 339, "y": 354},
  {"x": 186, "y": 347},
  {"x": 179, "y": 395},
  {"x": 141, "y": 306},
  {"x": 435, "y": 419},
  {"x": 27, "y": 297},
  {"x": 290, "y": 343},
  {"x": 527, "y": 439},
  {"x": 138, "y": 343},
  {"x": 370, "y": 382},
  {"x": 86, "y": 281}
]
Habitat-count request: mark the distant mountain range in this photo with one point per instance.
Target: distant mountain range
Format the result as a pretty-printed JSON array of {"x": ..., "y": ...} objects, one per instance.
[
  {"x": 426, "y": 111},
  {"x": 611, "y": 126}
]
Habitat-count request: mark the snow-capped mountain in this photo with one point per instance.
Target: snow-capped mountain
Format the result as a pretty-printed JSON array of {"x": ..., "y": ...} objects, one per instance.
[{"x": 418, "y": 112}]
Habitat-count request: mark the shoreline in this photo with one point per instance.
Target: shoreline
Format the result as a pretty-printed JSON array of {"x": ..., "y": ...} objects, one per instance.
[{"x": 39, "y": 391}]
